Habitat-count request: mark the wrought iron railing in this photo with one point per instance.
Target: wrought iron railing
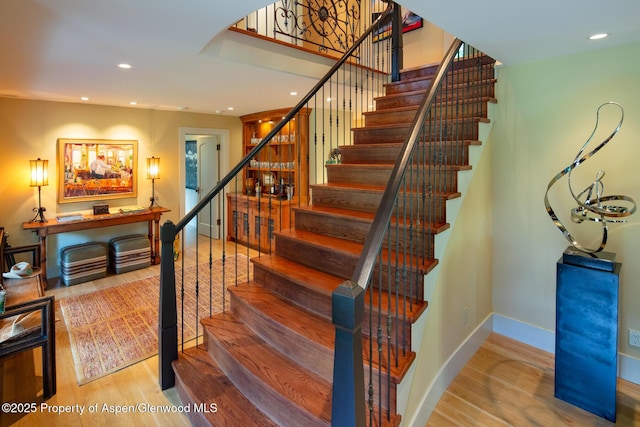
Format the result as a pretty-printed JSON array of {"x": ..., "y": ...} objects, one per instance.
[
  {"x": 330, "y": 26},
  {"x": 336, "y": 104},
  {"x": 398, "y": 251}
]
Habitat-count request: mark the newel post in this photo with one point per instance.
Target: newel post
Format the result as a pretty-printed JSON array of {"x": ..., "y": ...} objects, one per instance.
[
  {"x": 167, "y": 316},
  {"x": 396, "y": 43},
  {"x": 348, "y": 405}
]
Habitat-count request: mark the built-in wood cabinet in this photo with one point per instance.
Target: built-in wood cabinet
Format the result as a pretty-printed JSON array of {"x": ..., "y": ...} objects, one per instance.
[
  {"x": 254, "y": 220},
  {"x": 276, "y": 179},
  {"x": 284, "y": 163}
]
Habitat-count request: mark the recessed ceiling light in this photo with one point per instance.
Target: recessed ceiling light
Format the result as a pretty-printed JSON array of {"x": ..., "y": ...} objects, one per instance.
[
  {"x": 124, "y": 65},
  {"x": 230, "y": 108},
  {"x": 84, "y": 98},
  {"x": 293, "y": 93},
  {"x": 598, "y": 36},
  {"x": 133, "y": 103}
]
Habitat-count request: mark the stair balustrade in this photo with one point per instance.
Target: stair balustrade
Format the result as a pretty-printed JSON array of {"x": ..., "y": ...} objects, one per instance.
[
  {"x": 330, "y": 27},
  {"x": 336, "y": 102},
  {"x": 398, "y": 251},
  {"x": 373, "y": 312}
]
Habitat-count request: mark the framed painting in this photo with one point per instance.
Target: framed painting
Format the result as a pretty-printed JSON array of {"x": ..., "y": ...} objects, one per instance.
[
  {"x": 96, "y": 169},
  {"x": 410, "y": 22}
]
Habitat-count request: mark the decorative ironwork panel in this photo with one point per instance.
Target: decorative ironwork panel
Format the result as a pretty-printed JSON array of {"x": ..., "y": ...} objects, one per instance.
[{"x": 330, "y": 25}]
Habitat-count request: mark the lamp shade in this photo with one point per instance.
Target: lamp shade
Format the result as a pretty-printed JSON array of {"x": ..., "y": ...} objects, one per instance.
[
  {"x": 39, "y": 172},
  {"x": 153, "y": 168}
]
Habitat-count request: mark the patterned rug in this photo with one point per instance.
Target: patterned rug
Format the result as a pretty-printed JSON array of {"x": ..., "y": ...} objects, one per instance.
[{"x": 113, "y": 328}]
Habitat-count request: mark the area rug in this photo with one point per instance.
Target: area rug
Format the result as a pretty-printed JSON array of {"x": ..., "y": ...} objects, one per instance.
[{"x": 113, "y": 328}]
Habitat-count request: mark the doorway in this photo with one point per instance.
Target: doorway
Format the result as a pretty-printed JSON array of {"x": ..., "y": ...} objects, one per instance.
[{"x": 204, "y": 159}]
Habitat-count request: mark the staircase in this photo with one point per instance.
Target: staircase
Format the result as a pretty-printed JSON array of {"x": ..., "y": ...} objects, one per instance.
[{"x": 269, "y": 360}]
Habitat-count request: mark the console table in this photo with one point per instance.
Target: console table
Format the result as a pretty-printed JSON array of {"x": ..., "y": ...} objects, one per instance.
[{"x": 151, "y": 215}]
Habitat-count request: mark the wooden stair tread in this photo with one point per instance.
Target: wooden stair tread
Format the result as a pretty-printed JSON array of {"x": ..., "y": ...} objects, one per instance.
[
  {"x": 365, "y": 217},
  {"x": 408, "y": 125},
  {"x": 201, "y": 382},
  {"x": 325, "y": 283},
  {"x": 391, "y": 110},
  {"x": 444, "y": 103},
  {"x": 346, "y": 247},
  {"x": 400, "y": 144},
  {"x": 389, "y": 166},
  {"x": 363, "y": 188},
  {"x": 401, "y": 94},
  {"x": 299, "y": 386},
  {"x": 301, "y": 323}
]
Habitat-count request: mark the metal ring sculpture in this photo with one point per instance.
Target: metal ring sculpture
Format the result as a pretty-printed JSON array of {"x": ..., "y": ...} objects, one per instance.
[{"x": 591, "y": 207}]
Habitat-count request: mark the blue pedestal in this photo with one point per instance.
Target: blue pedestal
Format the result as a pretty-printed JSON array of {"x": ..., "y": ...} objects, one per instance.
[{"x": 586, "y": 359}]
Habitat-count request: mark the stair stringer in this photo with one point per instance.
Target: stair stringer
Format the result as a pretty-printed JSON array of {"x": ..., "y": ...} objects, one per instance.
[{"x": 432, "y": 282}]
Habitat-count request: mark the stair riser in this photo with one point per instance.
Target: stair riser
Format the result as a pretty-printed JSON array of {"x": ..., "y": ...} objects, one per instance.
[
  {"x": 441, "y": 180},
  {"x": 435, "y": 132},
  {"x": 476, "y": 109},
  {"x": 473, "y": 90},
  {"x": 320, "y": 304},
  {"x": 196, "y": 419},
  {"x": 407, "y": 86},
  {"x": 341, "y": 264},
  {"x": 408, "y": 100},
  {"x": 305, "y": 352},
  {"x": 355, "y": 230},
  {"x": 462, "y": 72},
  {"x": 452, "y": 154},
  {"x": 422, "y": 72},
  {"x": 277, "y": 407},
  {"x": 464, "y": 77},
  {"x": 369, "y": 202}
]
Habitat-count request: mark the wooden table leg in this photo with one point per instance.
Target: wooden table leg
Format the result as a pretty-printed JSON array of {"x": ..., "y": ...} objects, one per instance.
[
  {"x": 157, "y": 242},
  {"x": 150, "y": 235},
  {"x": 43, "y": 258}
]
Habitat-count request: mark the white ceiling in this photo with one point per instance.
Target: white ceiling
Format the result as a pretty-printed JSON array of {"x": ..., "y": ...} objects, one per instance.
[{"x": 182, "y": 56}]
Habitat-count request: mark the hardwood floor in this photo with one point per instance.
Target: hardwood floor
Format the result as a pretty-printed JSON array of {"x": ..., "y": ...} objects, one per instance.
[
  {"x": 135, "y": 387},
  {"x": 508, "y": 383}
]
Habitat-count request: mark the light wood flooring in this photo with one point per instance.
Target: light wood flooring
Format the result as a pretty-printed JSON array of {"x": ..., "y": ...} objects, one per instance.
[
  {"x": 508, "y": 383},
  {"x": 136, "y": 385}
]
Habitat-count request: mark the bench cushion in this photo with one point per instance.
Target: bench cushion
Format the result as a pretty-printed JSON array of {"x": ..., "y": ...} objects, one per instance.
[
  {"x": 128, "y": 253},
  {"x": 83, "y": 262}
]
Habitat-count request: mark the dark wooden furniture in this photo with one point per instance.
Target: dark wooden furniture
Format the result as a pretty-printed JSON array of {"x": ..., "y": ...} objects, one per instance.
[
  {"x": 151, "y": 215},
  {"x": 24, "y": 301},
  {"x": 253, "y": 221},
  {"x": 286, "y": 157},
  {"x": 284, "y": 163}
]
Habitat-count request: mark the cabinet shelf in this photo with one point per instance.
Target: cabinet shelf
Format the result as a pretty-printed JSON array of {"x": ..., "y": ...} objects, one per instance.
[{"x": 253, "y": 220}]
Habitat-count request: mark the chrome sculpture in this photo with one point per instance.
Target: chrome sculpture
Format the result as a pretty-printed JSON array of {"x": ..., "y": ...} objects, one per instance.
[{"x": 591, "y": 201}]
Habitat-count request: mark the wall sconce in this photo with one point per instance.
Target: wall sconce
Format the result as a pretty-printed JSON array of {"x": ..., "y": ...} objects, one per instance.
[
  {"x": 153, "y": 173},
  {"x": 39, "y": 178}
]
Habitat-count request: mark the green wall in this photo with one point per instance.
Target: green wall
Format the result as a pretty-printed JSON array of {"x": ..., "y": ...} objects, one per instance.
[{"x": 546, "y": 112}]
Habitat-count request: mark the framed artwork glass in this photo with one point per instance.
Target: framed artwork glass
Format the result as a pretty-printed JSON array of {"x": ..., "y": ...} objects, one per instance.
[
  {"x": 410, "y": 22},
  {"x": 96, "y": 169}
]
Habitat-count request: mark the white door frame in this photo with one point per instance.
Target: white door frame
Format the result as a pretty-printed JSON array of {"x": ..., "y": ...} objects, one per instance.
[{"x": 223, "y": 135}]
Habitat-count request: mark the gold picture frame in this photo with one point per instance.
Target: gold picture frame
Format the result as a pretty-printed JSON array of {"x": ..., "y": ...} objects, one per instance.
[{"x": 96, "y": 169}]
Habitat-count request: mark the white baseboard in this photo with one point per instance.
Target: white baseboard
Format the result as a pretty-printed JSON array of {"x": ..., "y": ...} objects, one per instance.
[{"x": 544, "y": 339}]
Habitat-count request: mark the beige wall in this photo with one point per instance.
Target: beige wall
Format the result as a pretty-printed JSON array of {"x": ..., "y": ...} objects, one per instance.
[
  {"x": 30, "y": 129},
  {"x": 502, "y": 251},
  {"x": 546, "y": 112}
]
